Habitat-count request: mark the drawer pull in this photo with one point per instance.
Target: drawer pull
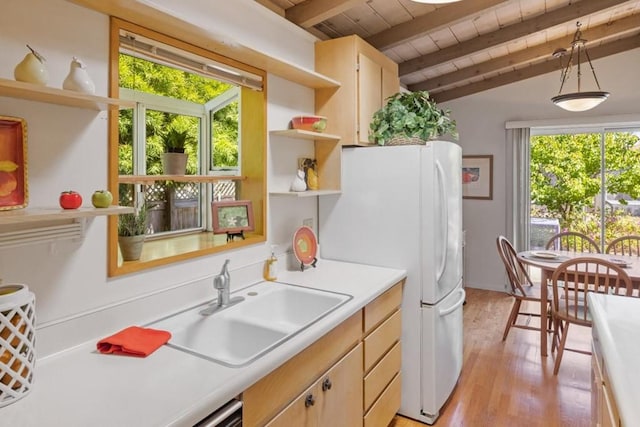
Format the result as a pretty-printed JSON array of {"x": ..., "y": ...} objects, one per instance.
[
  {"x": 309, "y": 401},
  {"x": 326, "y": 384}
]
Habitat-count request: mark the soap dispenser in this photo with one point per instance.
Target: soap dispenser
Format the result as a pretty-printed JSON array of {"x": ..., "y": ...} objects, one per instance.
[{"x": 271, "y": 266}]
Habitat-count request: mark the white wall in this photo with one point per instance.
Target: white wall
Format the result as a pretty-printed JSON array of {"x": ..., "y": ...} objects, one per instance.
[
  {"x": 67, "y": 149},
  {"x": 481, "y": 121}
]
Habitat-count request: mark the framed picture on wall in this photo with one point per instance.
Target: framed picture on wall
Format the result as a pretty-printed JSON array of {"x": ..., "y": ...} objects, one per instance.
[
  {"x": 232, "y": 216},
  {"x": 477, "y": 177}
]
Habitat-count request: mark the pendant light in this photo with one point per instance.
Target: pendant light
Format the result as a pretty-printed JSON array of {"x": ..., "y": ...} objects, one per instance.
[{"x": 577, "y": 101}]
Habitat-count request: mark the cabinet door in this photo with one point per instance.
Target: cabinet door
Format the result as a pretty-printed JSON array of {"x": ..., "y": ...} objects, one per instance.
[
  {"x": 369, "y": 94},
  {"x": 342, "y": 391},
  {"x": 301, "y": 412}
]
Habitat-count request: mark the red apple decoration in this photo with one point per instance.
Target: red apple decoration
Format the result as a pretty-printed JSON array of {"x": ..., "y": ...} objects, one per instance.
[{"x": 70, "y": 200}]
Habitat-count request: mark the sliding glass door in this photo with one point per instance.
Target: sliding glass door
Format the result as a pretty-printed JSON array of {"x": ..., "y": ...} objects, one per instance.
[{"x": 587, "y": 182}]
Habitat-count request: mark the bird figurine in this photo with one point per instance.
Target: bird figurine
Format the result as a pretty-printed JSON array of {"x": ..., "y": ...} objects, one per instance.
[{"x": 298, "y": 183}]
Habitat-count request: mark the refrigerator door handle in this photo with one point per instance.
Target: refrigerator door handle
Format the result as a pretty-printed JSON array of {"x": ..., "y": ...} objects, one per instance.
[
  {"x": 445, "y": 311},
  {"x": 445, "y": 215}
]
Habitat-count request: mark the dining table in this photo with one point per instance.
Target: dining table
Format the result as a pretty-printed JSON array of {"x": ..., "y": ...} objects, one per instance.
[{"x": 549, "y": 260}]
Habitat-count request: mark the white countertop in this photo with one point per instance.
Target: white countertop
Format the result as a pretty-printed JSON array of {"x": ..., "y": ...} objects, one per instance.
[
  {"x": 80, "y": 387},
  {"x": 617, "y": 320}
]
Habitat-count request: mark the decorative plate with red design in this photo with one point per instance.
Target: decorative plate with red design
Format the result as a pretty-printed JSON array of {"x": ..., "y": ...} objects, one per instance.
[{"x": 305, "y": 245}]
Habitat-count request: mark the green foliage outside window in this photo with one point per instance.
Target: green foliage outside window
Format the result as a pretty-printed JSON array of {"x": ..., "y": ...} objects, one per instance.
[
  {"x": 149, "y": 77},
  {"x": 565, "y": 180}
]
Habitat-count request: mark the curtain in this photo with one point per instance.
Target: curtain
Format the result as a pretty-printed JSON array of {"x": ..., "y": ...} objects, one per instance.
[{"x": 518, "y": 189}]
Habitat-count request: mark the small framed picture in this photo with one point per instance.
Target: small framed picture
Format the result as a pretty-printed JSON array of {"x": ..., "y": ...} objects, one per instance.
[
  {"x": 477, "y": 177},
  {"x": 232, "y": 216}
]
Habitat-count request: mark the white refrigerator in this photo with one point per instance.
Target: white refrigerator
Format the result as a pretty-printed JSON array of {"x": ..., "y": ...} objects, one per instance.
[{"x": 401, "y": 207}]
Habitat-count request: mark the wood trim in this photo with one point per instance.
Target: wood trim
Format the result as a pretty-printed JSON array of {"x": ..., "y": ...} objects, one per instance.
[
  {"x": 504, "y": 35},
  {"x": 534, "y": 53},
  {"x": 438, "y": 19},
  {"x": 311, "y": 12},
  {"x": 139, "y": 13}
]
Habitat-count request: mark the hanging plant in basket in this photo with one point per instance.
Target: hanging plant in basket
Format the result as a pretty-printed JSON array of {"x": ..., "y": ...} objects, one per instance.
[{"x": 410, "y": 118}]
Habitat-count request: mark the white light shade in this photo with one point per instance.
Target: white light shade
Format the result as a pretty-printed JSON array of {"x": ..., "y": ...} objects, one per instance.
[
  {"x": 580, "y": 101},
  {"x": 435, "y": 1}
]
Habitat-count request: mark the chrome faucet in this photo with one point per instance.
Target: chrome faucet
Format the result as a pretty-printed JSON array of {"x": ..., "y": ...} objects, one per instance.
[{"x": 222, "y": 282}]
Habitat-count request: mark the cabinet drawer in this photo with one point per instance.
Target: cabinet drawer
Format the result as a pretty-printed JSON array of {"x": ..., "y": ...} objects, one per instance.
[
  {"x": 380, "y": 308},
  {"x": 272, "y": 393},
  {"x": 385, "y": 408},
  {"x": 381, "y": 340},
  {"x": 381, "y": 375}
]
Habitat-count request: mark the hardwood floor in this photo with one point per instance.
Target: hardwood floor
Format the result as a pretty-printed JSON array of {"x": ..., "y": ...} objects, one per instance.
[{"x": 508, "y": 383}]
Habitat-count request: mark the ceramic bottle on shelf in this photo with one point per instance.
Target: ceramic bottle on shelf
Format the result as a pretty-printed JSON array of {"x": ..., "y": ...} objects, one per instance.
[
  {"x": 78, "y": 79},
  {"x": 32, "y": 69},
  {"x": 298, "y": 183}
]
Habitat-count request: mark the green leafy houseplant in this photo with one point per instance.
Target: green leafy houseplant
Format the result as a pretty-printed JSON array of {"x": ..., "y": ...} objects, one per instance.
[
  {"x": 411, "y": 115},
  {"x": 175, "y": 141}
]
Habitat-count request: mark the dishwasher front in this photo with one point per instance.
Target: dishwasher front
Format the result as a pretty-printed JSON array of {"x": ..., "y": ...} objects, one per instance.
[{"x": 230, "y": 415}]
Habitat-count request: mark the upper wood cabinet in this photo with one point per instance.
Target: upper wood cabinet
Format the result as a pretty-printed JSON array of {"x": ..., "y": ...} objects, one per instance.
[{"x": 367, "y": 78}]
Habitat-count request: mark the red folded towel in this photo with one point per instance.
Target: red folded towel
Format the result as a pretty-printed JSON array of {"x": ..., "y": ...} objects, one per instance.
[{"x": 134, "y": 341}]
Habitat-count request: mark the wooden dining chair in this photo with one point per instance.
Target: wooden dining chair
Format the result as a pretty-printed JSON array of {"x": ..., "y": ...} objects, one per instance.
[
  {"x": 571, "y": 282},
  {"x": 572, "y": 241},
  {"x": 625, "y": 245},
  {"x": 522, "y": 289}
]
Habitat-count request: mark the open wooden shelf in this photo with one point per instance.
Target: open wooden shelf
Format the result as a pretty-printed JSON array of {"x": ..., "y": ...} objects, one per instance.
[
  {"x": 150, "y": 179},
  {"x": 34, "y": 215},
  {"x": 69, "y": 98},
  {"x": 305, "y": 134},
  {"x": 164, "y": 21},
  {"x": 308, "y": 193}
]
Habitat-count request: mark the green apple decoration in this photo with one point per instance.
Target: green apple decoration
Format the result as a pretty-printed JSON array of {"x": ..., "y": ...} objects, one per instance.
[{"x": 101, "y": 198}]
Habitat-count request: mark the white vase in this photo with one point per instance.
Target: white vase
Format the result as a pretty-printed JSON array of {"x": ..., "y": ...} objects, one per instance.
[
  {"x": 31, "y": 69},
  {"x": 298, "y": 183},
  {"x": 78, "y": 79}
]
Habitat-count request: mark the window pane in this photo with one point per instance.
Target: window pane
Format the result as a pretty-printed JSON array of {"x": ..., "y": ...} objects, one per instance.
[{"x": 224, "y": 137}]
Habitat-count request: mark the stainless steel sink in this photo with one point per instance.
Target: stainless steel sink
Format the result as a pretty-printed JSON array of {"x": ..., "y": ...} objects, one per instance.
[{"x": 270, "y": 314}]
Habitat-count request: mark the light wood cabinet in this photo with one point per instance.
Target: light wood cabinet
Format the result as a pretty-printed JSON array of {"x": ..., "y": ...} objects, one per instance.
[
  {"x": 349, "y": 377},
  {"x": 604, "y": 411},
  {"x": 382, "y": 358},
  {"x": 333, "y": 400},
  {"x": 367, "y": 78}
]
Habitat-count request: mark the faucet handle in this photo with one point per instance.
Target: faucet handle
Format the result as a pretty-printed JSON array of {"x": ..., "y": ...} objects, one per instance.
[{"x": 219, "y": 282}]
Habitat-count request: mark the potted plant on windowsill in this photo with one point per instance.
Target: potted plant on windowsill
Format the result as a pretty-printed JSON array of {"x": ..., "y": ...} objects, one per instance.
[
  {"x": 410, "y": 118},
  {"x": 131, "y": 233},
  {"x": 174, "y": 159}
]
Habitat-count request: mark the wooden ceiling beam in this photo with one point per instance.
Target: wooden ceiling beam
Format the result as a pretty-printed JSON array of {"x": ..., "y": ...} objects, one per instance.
[
  {"x": 506, "y": 34},
  {"x": 272, "y": 7},
  {"x": 440, "y": 18},
  {"x": 549, "y": 66},
  {"x": 534, "y": 53},
  {"x": 312, "y": 12}
]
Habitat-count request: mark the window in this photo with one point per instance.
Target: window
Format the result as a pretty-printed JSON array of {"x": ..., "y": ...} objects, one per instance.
[
  {"x": 587, "y": 182},
  {"x": 194, "y": 100}
]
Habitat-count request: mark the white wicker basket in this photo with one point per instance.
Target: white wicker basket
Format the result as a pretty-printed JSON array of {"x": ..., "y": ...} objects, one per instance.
[{"x": 17, "y": 342}]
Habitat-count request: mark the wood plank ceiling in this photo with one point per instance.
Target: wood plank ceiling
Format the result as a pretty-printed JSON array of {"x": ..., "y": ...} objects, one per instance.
[{"x": 466, "y": 47}]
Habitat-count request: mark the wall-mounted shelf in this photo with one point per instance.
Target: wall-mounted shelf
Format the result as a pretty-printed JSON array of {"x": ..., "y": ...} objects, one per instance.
[
  {"x": 22, "y": 227},
  {"x": 150, "y": 179},
  {"x": 164, "y": 21},
  {"x": 305, "y": 134},
  {"x": 33, "y": 92},
  {"x": 308, "y": 193},
  {"x": 34, "y": 215}
]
